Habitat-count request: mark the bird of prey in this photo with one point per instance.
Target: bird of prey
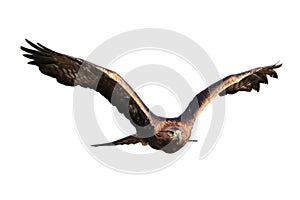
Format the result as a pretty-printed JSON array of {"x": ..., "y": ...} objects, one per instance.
[{"x": 166, "y": 134}]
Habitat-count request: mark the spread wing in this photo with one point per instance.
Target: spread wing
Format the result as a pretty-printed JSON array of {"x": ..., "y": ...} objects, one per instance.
[
  {"x": 72, "y": 71},
  {"x": 245, "y": 81}
]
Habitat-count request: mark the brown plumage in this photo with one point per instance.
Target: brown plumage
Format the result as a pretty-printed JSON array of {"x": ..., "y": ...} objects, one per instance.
[{"x": 167, "y": 134}]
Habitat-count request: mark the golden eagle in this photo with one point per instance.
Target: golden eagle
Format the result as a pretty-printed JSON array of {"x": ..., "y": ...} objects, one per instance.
[{"x": 166, "y": 134}]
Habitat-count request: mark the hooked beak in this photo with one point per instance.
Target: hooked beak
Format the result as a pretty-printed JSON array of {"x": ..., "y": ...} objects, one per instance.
[{"x": 178, "y": 136}]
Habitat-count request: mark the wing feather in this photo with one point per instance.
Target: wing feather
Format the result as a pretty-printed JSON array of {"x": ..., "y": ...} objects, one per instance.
[
  {"x": 252, "y": 81},
  {"x": 73, "y": 71},
  {"x": 245, "y": 81}
]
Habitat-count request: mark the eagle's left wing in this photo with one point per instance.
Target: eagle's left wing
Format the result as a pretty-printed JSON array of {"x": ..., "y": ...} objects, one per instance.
[{"x": 245, "y": 81}]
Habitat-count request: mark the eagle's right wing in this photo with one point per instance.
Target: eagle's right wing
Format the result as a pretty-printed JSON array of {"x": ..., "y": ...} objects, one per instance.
[{"x": 72, "y": 71}]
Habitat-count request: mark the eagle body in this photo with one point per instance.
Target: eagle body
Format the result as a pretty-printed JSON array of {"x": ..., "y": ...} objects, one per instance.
[{"x": 166, "y": 134}]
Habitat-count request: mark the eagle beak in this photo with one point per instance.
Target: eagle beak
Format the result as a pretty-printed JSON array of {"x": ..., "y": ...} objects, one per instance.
[{"x": 178, "y": 136}]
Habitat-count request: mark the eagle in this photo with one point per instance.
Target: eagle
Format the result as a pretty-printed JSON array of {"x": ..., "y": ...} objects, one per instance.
[{"x": 160, "y": 133}]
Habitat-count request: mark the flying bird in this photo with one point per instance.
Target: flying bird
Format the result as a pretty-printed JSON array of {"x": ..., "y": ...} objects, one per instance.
[{"x": 166, "y": 134}]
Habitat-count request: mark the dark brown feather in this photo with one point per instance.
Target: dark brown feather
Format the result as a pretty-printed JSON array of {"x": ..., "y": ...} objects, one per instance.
[
  {"x": 245, "y": 81},
  {"x": 252, "y": 81},
  {"x": 72, "y": 71}
]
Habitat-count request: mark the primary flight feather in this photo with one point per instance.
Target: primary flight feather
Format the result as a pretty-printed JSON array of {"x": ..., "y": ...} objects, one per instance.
[{"x": 166, "y": 134}]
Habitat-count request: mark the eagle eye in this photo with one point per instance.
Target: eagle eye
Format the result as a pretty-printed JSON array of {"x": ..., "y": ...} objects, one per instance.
[{"x": 171, "y": 133}]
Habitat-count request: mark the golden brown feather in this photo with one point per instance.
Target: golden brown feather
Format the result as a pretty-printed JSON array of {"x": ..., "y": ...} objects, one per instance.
[{"x": 167, "y": 134}]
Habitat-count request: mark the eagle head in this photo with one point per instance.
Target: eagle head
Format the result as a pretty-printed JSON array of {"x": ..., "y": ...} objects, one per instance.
[{"x": 173, "y": 139}]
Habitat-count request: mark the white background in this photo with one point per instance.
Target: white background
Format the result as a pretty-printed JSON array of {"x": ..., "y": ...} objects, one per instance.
[{"x": 257, "y": 155}]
